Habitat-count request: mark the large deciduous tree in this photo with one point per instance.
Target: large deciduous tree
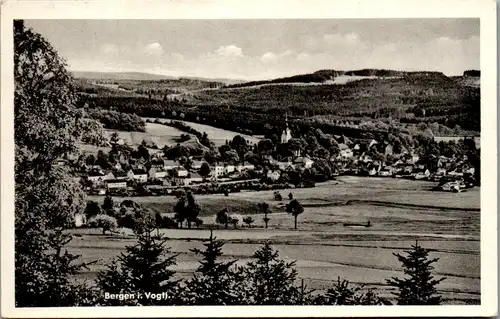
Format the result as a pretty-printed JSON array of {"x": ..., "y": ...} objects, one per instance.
[
  {"x": 47, "y": 126},
  {"x": 294, "y": 208}
]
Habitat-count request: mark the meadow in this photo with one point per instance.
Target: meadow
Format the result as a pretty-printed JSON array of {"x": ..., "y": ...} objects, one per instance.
[
  {"x": 216, "y": 135},
  {"x": 400, "y": 212}
]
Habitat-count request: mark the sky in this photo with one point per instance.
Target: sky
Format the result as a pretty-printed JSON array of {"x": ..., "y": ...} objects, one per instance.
[{"x": 263, "y": 49}]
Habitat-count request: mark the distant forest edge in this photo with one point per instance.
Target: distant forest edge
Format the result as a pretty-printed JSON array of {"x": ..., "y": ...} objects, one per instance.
[{"x": 388, "y": 99}]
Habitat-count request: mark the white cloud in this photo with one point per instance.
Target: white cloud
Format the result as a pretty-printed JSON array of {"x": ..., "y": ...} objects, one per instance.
[
  {"x": 154, "y": 49},
  {"x": 273, "y": 57},
  {"x": 268, "y": 57},
  {"x": 341, "y": 39},
  {"x": 229, "y": 50}
]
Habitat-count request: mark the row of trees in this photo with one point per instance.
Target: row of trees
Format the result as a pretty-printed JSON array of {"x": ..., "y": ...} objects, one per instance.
[
  {"x": 144, "y": 272},
  {"x": 117, "y": 120}
]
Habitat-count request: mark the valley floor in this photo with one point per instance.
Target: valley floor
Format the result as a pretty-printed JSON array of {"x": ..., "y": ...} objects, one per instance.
[{"x": 325, "y": 248}]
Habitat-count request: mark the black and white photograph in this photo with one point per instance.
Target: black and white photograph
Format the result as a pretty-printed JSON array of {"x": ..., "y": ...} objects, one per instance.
[{"x": 249, "y": 162}]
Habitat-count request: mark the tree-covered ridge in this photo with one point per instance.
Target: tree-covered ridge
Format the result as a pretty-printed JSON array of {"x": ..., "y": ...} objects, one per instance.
[{"x": 414, "y": 97}]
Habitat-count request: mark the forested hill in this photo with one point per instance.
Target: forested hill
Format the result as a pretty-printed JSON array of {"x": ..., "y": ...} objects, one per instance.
[
  {"x": 382, "y": 96},
  {"x": 330, "y": 75}
]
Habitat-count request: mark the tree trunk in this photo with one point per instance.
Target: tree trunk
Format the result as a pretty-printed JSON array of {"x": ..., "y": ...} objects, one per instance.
[
  {"x": 266, "y": 225},
  {"x": 189, "y": 224},
  {"x": 225, "y": 225},
  {"x": 103, "y": 230},
  {"x": 295, "y": 222}
]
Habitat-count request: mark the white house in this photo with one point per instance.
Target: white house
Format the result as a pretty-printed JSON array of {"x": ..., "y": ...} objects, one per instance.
[
  {"x": 217, "y": 170},
  {"x": 80, "y": 219},
  {"x": 304, "y": 161},
  {"x": 229, "y": 168},
  {"x": 96, "y": 177},
  {"x": 345, "y": 151},
  {"x": 194, "y": 178},
  {"x": 285, "y": 165},
  {"x": 181, "y": 172},
  {"x": 140, "y": 175},
  {"x": 157, "y": 173},
  {"x": 170, "y": 165},
  {"x": 245, "y": 167},
  {"x": 116, "y": 183},
  {"x": 197, "y": 164},
  {"x": 273, "y": 175}
]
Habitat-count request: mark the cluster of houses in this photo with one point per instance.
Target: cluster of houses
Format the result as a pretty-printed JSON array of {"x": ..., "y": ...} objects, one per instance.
[{"x": 162, "y": 171}]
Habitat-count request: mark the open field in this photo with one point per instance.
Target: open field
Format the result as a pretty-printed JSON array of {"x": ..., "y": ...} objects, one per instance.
[
  {"x": 159, "y": 134},
  {"x": 400, "y": 212},
  {"x": 216, "y": 135}
]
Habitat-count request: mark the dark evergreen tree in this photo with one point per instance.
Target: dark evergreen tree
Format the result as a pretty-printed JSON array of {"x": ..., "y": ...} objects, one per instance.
[
  {"x": 193, "y": 209},
  {"x": 341, "y": 294},
  {"x": 215, "y": 282},
  {"x": 419, "y": 285},
  {"x": 270, "y": 280},
  {"x": 143, "y": 269}
]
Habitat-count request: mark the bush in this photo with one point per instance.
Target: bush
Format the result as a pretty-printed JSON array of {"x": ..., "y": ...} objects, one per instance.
[{"x": 105, "y": 222}]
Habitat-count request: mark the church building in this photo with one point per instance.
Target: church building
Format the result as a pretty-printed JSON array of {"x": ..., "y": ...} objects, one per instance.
[{"x": 287, "y": 133}]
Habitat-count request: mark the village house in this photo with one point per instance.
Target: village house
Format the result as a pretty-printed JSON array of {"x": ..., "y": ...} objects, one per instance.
[
  {"x": 122, "y": 175},
  {"x": 217, "y": 170},
  {"x": 245, "y": 167},
  {"x": 96, "y": 177},
  {"x": 283, "y": 165},
  {"x": 157, "y": 173},
  {"x": 345, "y": 151},
  {"x": 80, "y": 219},
  {"x": 229, "y": 168},
  {"x": 108, "y": 176},
  {"x": 139, "y": 175},
  {"x": 273, "y": 175},
  {"x": 365, "y": 158},
  {"x": 180, "y": 181},
  {"x": 180, "y": 172},
  {"x": 420, "y": 173},
  {"x": 197, "y": 164},
  {"x": 304, "y": 161},
  {"x": 388, "y": 150},
  {"x": 116, "y": 183},
  {"x": 385, "y": 171},
  {"x": 170, "y": 165},
  {"x": 117, "y": 166},
  {"x": 194, "y": 178}
]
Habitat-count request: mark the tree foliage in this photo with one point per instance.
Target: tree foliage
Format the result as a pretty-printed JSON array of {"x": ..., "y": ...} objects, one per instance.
[
  {"x": 215, "y": 282},
  {"x": 269, "y": 280},
  {"x": 143, "y": 269},
  {"x": 294, "y": 208},
  {"x": 47, "y": 127},
  {"x": 419, "y": 285}
]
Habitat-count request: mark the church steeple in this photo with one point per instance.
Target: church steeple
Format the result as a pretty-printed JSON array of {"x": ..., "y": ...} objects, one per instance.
[{"x": 287, "y": 133}]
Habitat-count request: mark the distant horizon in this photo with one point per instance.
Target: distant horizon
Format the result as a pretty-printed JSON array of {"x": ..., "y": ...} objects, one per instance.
[
  {"x": 250, "y": 80},
  {"x": 263, "y": 49}
]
